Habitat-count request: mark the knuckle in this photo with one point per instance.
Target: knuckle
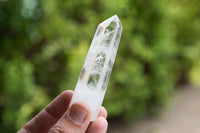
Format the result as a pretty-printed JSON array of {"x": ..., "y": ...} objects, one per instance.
[{"x": 56, "y": 129}]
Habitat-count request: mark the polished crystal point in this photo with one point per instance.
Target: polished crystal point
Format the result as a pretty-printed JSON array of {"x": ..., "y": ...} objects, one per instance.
[{"x": 94, "y": 77}]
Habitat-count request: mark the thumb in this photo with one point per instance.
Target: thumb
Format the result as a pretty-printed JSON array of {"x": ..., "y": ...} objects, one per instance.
[{"x": 75, "y": 120}]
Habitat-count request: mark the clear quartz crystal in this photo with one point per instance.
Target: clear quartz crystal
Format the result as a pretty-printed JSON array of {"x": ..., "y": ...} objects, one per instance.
[{"x": 95, "y": 74}]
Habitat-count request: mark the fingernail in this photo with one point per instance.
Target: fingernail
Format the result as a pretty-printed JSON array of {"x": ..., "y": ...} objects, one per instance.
[{"x": 78, "y": 113}]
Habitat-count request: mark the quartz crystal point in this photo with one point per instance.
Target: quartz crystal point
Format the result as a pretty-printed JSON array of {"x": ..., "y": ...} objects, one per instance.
[{"x": 94, "y": 77}]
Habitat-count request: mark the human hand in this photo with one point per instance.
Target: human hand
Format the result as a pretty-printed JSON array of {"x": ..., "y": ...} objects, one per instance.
[{"x": 58, "y": 118}]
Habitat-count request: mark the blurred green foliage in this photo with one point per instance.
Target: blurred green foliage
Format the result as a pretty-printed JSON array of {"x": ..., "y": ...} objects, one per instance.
[{"x": 43, "y": 45}]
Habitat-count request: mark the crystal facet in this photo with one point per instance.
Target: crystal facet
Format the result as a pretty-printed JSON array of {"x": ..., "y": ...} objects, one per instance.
[{"x": 98, "y": 65}]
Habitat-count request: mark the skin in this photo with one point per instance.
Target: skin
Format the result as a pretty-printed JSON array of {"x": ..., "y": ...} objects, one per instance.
[{"x": 57, "y": 117}]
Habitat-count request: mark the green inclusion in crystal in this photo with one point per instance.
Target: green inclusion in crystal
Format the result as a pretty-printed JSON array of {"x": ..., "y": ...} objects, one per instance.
[
  {"x": 110, "y": 30},
  {"x": 93, "y": 79},
  {"x": 100, "y": 60},
  {"x": 111, "y": 26}
]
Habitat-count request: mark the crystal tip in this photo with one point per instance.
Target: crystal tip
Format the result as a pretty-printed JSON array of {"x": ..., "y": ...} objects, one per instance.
[{"x": 114, "y": 18}]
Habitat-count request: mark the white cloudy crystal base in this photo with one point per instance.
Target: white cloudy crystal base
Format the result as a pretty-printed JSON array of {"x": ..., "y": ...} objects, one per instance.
[{"x": 94, "y": 77}]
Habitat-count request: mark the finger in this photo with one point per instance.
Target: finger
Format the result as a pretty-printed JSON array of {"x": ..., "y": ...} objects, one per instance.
[
  {"x": 75, "y": 120},
  {"x": 102, "y": 112},
  {"x": 43, "y": 121},
  {"x": 98, "y": 126}
]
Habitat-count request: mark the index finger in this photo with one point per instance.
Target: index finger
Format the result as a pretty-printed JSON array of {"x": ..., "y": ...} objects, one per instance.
[{"x": 44, "y": 120}]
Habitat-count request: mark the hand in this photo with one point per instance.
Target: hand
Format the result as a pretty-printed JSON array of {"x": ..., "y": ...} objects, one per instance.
[{"x": 58, "y": 118}]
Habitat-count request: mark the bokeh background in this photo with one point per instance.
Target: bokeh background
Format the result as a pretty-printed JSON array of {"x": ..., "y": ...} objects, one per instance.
[{"x": 43, "y": 45}]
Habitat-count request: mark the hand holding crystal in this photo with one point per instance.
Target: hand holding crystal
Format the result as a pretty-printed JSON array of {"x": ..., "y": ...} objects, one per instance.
[{"x": 58, "y": 117}]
